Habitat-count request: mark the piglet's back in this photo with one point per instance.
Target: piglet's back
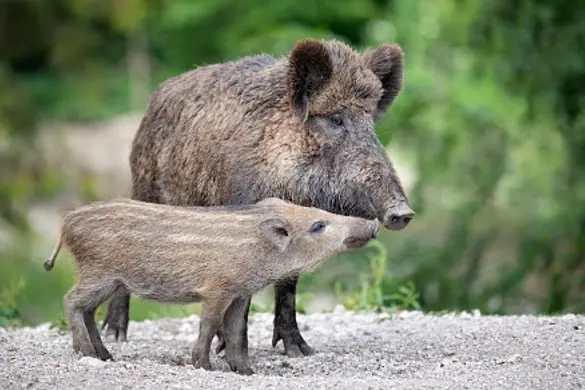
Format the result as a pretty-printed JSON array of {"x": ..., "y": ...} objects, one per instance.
[{"x": 139, "y": 231}]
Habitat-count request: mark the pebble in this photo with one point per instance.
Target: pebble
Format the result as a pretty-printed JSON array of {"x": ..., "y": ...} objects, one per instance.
[{"x": 91, "y": 362}]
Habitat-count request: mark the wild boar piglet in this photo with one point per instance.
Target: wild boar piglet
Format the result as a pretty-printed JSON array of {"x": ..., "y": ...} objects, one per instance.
[{"x": 211, "y": 255}]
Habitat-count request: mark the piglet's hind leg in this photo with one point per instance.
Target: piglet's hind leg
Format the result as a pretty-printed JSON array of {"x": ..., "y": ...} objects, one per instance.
[{"x": 80, "y": 304}]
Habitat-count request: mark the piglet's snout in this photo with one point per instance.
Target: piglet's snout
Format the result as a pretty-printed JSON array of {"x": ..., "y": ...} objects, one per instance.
[
  {"x": 374, "y": 228},
  {"x": 362, "y": 233}
]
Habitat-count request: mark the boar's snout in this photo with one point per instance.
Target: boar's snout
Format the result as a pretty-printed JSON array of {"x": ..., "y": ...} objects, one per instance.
[
  {"x": 398, "y": 217},
  {"x": 362, "y": 233}
]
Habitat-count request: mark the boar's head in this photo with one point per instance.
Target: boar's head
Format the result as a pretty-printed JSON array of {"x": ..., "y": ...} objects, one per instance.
[{"x": 337, "y": 95}]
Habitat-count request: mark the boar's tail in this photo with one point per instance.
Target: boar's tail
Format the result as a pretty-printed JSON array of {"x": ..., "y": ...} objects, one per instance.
[{"x": 50, "y": 263}]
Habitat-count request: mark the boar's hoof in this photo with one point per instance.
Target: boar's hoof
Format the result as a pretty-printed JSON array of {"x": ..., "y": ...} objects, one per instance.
[
  {"x": 294, "y": 344},
  {"x": 247, "y": 371},
  {"x": 118, "y": 333},
  {"x": 115, "y": 328},
  {"x": 117, "y": 317}
]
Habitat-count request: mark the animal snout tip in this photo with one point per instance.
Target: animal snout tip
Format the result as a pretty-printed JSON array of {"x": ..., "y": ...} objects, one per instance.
[
  {"x": 374, "y": 229},
  {"x": 398, "y": 219}
]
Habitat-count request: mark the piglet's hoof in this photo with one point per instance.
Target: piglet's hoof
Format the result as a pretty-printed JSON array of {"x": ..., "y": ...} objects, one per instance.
[
  {"x": 240, "y": 365},
  {"x": 82, "y": 348},
  {"x": 246, "y": 371},
  {"x": 201, "y": 361},
  {"x": 115, "y": 326},
  {"x": 105, "y": 355}
]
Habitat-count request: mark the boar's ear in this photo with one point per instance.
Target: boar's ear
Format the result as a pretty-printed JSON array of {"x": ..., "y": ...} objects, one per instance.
[
  {"x": 386, "y": 61},
  {"x": 278, "y": 232},
  {"x": 310, "y": 68}
]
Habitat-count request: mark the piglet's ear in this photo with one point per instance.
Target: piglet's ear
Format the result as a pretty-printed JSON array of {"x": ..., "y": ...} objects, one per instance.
[
  {"x": 278, "y": 231},
  {"x": 386, "y": 61},
  {"x": 310, "y": 68}
]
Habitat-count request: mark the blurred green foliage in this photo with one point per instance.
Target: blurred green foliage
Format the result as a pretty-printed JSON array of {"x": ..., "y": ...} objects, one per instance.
[{"x": 491, "y": 120}]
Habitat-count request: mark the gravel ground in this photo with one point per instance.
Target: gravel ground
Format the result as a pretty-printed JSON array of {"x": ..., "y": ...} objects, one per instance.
[{"x": 354, "y": 351}]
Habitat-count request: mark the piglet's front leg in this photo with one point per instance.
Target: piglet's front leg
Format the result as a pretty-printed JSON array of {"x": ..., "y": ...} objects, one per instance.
[
  {"x": 235, "y": 334},
  {"x": 213, "y": 311}
]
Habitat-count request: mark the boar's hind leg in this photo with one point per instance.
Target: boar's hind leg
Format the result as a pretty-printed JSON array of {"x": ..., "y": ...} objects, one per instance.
[
  {"x": 285, "y": 321},
  {"x": 80, "y": 304},
  {"x": 209, "y": 323},
  {"x": 117, "y": 315},
  {"x": 235, "y": 333}
]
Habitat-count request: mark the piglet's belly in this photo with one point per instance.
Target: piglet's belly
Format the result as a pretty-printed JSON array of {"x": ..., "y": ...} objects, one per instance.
[{"x": 164, "y": 288}]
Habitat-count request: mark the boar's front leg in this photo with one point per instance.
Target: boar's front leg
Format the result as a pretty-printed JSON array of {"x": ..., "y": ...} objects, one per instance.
[
  {"x": 235, "y": 336},
  {"x": 285, "y": 320},
  {"x": 117, "y": 315},
  {"x": 211, "y": 317}
]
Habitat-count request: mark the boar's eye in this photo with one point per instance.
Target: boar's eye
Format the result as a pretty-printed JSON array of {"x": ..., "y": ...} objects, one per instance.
[
  {"x": 336, "y": 120},
  {"x": 318, "y": 227}
]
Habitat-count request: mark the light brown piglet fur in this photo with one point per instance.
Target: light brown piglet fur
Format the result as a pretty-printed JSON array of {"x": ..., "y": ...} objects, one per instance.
[{"x": 211, "y": 255}]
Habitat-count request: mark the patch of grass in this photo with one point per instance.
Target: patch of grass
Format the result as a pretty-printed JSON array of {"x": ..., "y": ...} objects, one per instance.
[
  {"x": 301, "y": 301},
  {"x": 258, "y": 308},
  {"x": 59, "y": 323},
  {"x": 10, "y": 315},
  {"x": 88, "y": 187},
  {"x": 142, "y": 309},
  {"x": 378, "y": 291}
]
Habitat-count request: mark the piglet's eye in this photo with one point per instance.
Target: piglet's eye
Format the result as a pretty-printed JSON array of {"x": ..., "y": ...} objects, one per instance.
[
  {"x": 317, "y": 227},
  {"x": 336, "y": 120}
]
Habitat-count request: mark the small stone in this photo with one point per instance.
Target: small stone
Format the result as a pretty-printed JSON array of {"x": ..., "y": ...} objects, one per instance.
[
  {"x": 383, "y": 316},
  {"x": 409, "y": 314},
  {"x": 510, "y": 359},
  {"x": 339, "y": 309},
  {"x": 444, "y": 362}
]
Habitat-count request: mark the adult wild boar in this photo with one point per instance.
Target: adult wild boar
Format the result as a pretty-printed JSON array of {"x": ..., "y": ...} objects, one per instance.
[{"x": 299, "y": 128}]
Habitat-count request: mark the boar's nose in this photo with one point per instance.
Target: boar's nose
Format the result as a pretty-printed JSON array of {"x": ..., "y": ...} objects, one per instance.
[{"x": 398, "y": 218}]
